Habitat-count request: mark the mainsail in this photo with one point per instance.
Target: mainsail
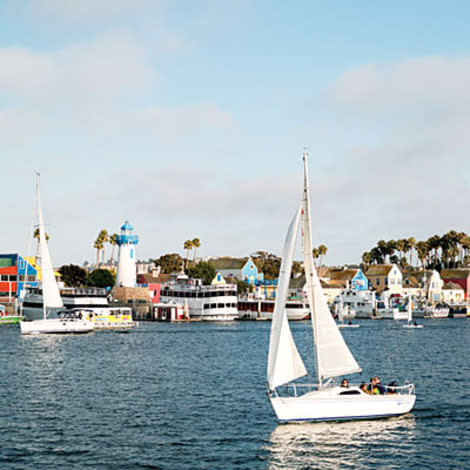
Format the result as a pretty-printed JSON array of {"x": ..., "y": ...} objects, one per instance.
[
  {"x": 332, "y": 355},
  {"x": 50, "y": 290},
  {"x": 284, "y": 361}
]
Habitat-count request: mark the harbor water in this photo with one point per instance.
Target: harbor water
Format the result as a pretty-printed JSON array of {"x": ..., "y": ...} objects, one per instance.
[{"x": 192, "y": 396}]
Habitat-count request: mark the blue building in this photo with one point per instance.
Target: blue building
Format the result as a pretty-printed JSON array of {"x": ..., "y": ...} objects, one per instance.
[
  {"x": 349, "y": 278},
  {"x": 244, "y": 269},
  {"x": 15, "y": 272}
]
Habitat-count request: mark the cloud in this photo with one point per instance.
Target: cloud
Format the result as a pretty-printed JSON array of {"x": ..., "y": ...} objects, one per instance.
[
  {"x": 433, "y": 82},
  {"x": 101, "y": 10},
  {"x": 98, "y": 70}
]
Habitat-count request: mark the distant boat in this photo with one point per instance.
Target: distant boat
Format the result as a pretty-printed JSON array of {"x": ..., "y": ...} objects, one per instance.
[
  {"x": 262, "y": 309},
  {"x": 440, "y": 310},
  {"x": 409, "y": 310},
  {"x": 8, "y": 318},
  {"x": 64, "y": 323},
  {"x": 340, "y": 310},
  {"x": 323, "y": 401},
  {"x": 206, "y": 303}
]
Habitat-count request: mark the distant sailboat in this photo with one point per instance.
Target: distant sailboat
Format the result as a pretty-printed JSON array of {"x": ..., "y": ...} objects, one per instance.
[
  {"x": 409, "y": 309},
  {"x": 323, "y": 401},
  {"x": 64, "y": 323}
]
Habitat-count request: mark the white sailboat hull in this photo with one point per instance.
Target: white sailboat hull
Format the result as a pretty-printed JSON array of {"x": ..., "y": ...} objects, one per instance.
[
  {"x": 56, "y": 326},
  {"x": 329, "y": 405}
]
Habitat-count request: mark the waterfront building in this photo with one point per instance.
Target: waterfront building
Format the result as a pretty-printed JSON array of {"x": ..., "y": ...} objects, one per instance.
[
  {"x": 348, "y": 278},
  {"x": 425, "y": 284},
  {"x": 452, "y": 293},
  {"x": 15, "y": 272},
  {"x": 244, "y": 269},
  {"x": 458, "y": 276},
  {"x": 383, "y": 277},
  {"x": 126, "y": 271},
  {"x": 153, "y": 284}
]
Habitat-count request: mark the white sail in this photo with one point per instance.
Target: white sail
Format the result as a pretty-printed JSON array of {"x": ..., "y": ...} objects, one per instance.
[
  {"x": 284, "y": 361},
  {"x": 50, "y": 289},
  {"x": 332, "y": 355}
]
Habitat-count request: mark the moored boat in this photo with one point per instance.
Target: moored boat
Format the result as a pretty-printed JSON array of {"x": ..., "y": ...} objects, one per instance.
[
  {"x": 207, "y": 303},
  {"x": 263, "y": 309},
  {"x": 7, "y": 318}
]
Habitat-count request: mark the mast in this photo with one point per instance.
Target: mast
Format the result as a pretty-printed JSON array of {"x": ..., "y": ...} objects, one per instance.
[
  {"x": 41, "y": 235},
  {"x": 308, "y": 263}
]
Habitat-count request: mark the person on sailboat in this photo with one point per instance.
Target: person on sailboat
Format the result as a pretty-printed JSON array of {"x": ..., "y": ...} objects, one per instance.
[
  {"x": 345, "y": 383},
  {"x": 378, "y": 388}
]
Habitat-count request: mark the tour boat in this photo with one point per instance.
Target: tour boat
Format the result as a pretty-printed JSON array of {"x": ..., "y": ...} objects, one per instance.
[
  {"x": 324, "y": 400},
  {"x": 207, "y": 303}
]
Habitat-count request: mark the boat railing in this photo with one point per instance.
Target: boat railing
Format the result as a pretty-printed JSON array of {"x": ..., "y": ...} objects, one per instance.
[{"x": 296, "y": 389}]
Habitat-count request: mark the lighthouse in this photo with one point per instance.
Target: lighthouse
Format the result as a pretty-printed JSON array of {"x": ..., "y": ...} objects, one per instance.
[{"x": 126, "y": 258}]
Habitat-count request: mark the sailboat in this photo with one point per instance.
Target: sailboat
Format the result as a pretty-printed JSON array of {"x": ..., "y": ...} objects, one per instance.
[
  {"x": 340, "y": 312},
  {"x": 324, "y": 400},
  {"x": 409, "y": 309},
  {"x": 65, "y": 322}
]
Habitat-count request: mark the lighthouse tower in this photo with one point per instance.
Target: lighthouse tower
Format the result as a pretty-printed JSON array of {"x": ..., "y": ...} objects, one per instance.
[{"x": 126, "y": 259}]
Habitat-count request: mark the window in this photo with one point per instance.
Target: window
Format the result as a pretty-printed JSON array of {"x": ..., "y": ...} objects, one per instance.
[{"x": 377, "y": 281}]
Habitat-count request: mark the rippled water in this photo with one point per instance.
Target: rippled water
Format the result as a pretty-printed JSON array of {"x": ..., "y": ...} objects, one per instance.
[{"x": 192, "y": 396}]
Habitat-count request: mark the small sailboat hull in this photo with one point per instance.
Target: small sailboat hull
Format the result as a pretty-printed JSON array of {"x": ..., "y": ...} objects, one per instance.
[
  {"x": 55, "y": 326},
  {"x": 330, "y": 405}
]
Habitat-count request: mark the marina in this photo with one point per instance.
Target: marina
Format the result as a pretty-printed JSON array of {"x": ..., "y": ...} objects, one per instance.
[{"x": 66, "y": 419}]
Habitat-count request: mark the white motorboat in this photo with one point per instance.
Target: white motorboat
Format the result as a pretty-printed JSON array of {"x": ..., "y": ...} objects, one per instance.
[
  {"x": 64, "y": 323},
  {"x": 440, "y": 310},
  {"x": 262, "y": 309},
  {"x": 343, "y": 313},
  {"x": 322, "y": 401},
  {"x": 362, "y": 302}
]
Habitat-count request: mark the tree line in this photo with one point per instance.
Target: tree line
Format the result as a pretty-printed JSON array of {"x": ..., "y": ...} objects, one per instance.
[{"x": 451, "y": 250}]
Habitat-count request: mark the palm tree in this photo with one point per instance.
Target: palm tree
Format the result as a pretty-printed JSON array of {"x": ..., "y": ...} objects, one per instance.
[
  {"x": 315, "y": 254},
  {"x": 366, "y": 257},
  {"x": 104, "y": 239},
  {"x": 401, "y": 246},
  {"x": 112, "y": 240},
  {"x": 98, "y": 245},
  {"x": 411, "y": 243},
  {"x": 188, "y": 245},
  {"x": 196, "y": 244},
  {"x": 322, "y": 250},
  {"x": 423, "y": 249},
  {"x": 36, "y": 237}
]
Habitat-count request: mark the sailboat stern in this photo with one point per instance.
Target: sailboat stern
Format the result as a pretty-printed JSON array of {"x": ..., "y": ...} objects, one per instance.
[{"x": 338, "y": 404}]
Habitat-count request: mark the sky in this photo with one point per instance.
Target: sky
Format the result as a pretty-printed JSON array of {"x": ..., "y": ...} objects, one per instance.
[{"x": 189, "y": 119}]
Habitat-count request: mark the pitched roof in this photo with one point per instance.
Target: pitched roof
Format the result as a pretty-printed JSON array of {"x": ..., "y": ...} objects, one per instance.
[
  {"x": 452, "y": 285},
  {"x": 228, "y": 263},
  {"x": 378, "y": 269},
  {"x": 455, "y": 273},
  {"x": 342, "y": 274},
  {"x": 149, "y": 279}
]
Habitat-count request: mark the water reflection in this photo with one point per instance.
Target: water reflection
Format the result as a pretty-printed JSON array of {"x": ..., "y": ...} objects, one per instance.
[{"x": 357, "y": 444}]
